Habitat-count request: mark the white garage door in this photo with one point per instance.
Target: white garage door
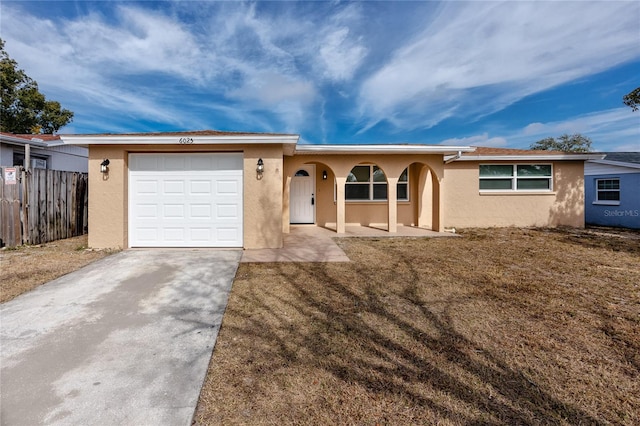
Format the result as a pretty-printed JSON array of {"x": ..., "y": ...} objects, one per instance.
[{"x": 185, "y": 200}]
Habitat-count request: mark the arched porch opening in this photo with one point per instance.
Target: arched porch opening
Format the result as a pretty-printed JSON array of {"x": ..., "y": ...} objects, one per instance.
[
  {"x": 308, "y": 188},
  {"x": 372, "y": 190}
]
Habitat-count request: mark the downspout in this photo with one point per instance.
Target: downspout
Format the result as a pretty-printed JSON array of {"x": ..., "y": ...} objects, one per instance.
[
  {"x": 454, "y": 158},
  {"x": 447, "y": 161},
  {"x": 27, "y": 157}
]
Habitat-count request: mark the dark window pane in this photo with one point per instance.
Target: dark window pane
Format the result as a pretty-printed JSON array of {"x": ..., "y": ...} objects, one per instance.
[
  {"x": 378, "y": 175},
  {"x": 533, "y": 184},
  {"x": 496, "y": 170},
  {"x": 404, "y": 177},
  {"x": 608, "y": 195},
  {"x": 356, "y": 192},
  {"x": 609, "y": 184},
  {"x": 359, "y": 174},
  {"x": 403, "y": 193},
  {"x": 302, "y": 173},
  {"x": 495, "y": 183},
  {"x": 380, "y": 191},
  {"x": 535, "y": 170}
]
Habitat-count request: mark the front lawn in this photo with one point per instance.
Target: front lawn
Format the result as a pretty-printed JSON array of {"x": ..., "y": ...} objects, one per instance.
[{"x": 501, "y": 326}]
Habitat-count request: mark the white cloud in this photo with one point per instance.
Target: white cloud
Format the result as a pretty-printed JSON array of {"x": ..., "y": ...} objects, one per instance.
[
  {"x": 610, "y": 130},
  {"x": 270, "y": 88},
  {"x": 340, "y": 55},
  {"x": 477, "y": 140},
  {"x": 477, "y": 58}
]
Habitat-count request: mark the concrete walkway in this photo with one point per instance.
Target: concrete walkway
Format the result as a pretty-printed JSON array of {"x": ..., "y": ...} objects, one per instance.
[
  {"x": 311, "y": 243},
  {"x": 125, "y": 340}
]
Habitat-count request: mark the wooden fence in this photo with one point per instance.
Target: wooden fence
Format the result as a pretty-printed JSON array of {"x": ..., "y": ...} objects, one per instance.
[{"x": 41, "y": 205}]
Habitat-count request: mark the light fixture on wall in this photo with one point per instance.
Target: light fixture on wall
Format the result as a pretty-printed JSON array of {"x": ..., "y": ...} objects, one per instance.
[
  {"x": 260, "y": 168},
  {"x": 104, "y": 166},
  {"x": 324, "y": 175}
]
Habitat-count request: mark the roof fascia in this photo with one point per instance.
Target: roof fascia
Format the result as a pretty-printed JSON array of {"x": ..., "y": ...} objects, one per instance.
[
  {"x": 617, "y": 163},
  {"x": 86, "y": 140},
  {"x": 22, "y": 141},
  {"x": 522, "y": 157},
  {"x": 381, "y": 149}
]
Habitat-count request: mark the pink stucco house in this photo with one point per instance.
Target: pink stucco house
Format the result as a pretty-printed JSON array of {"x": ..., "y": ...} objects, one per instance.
[{"x": 227, "y": 189}]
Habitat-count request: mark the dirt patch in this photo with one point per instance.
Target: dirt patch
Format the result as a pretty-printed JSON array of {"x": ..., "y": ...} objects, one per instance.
[
  {"x": 501, "y": 326},
  {"x": 27, "y": 267}
]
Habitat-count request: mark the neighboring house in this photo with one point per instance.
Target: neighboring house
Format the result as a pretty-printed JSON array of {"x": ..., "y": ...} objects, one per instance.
[
  {"x": 225, "y": 189},
  {"x": 612, "y": 190},
  {"x": 46, "y": 152}
]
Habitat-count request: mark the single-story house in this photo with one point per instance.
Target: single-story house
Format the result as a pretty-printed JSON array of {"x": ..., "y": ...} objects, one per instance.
[
  {"x": 225, "y": 189},
  {"x": 45, "y": 152},
  {"x": 612, "y": 190}
]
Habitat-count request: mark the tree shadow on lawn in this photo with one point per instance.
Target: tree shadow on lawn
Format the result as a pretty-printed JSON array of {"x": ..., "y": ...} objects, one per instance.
[{"x": 392, "y": 351}]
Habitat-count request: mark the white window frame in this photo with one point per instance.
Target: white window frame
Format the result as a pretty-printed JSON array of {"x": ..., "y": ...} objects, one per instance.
[
  {"x": 371, "y": 183},
  {"x": 515, "y": 178},
  {"x": 598, "y": 191}
]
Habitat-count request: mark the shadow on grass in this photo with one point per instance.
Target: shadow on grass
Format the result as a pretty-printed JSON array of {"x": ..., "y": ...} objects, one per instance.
[{"x": 432, "y": 354}]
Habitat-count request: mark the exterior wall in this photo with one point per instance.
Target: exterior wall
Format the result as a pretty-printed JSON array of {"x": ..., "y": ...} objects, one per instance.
[
  {"x": 6, "y": 155},
  {"x": 626, "y": 214},
  {"x": 108, "y": 207},
  {"x": 108, "y": 193},
  {"x": 375, "y": 213},
  {"x": 263, "y": 197},
  {"x": 65, "y": 158},
  {"x": 465, "y": 206}
]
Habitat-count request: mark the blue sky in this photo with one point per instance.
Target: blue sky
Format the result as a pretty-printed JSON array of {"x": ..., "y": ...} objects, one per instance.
[{"x": 502, "y": 74}]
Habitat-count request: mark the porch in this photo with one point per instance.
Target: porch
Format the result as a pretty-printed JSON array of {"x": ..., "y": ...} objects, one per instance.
[{"x": 311, "y": 243}]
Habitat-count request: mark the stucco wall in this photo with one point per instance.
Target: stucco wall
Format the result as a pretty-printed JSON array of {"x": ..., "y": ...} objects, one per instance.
[
  {"x": 108, "y": 193},
  {"x": 108, "y": 207},
  {"x": 263, "y": 198},
  {"x": 626, "y": 214},
  {"x": 465, "y": 206}
]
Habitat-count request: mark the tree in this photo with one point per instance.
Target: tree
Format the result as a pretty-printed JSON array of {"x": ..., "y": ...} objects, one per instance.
[
  {"x": 632, "y": 99},
  {"x": 566, "y": 143},
  {"x": 24, "y": 108}
]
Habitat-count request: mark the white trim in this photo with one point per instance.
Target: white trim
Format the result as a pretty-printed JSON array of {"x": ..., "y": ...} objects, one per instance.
[
  {"x": 598, "y": 191},
  {"x": 288, "y": 141},
  {"x": 174, "y": 139},
  {"x": 533, "y": 157},
  {"x": 382, "y": 149},
  {"x": 606, "y": 203},
  {"x": 616, "y": 163},
  {"x": 515, "y": 178},
  {"x": 11, "y": 140}
]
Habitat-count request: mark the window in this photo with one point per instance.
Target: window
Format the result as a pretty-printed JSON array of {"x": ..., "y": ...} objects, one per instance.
[
  {"x": 37, "y": 161},
  {"x": 369, "y": 183},
  {"x": 515, "y": 177},
  {"x": 608, "y": 191}
]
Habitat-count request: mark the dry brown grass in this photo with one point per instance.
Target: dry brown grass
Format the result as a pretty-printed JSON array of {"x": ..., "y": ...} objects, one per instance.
[
  {"x": 501, "y": 326},
  {"x": 26, "y": 267}
]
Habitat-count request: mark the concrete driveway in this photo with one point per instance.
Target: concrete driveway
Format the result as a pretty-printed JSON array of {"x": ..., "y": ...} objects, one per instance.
[{"x": 125, "y": 340}]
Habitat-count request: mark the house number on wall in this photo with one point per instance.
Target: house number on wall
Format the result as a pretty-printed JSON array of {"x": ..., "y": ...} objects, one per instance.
[{"x": 185, "y": 140}]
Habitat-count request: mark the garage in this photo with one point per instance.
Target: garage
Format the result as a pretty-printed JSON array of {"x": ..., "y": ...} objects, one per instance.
[{"x": 185, "y": 200}]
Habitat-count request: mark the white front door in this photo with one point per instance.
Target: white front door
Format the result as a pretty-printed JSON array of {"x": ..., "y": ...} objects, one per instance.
[{"x": 302, "y": 196}]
